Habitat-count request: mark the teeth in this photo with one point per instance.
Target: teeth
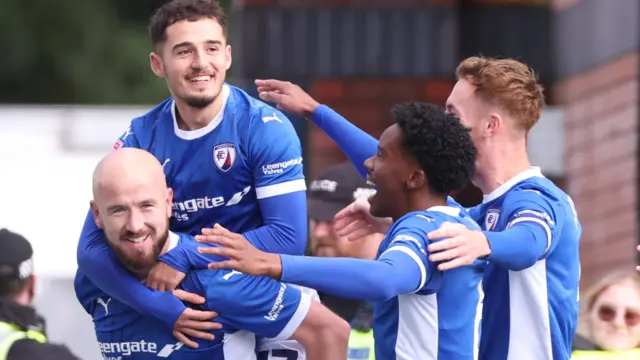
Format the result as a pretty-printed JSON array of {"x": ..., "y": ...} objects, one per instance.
[
  {"x": 137, "y": 240},
  {"x": 371, "y": 183},
  {"x": 200, "y": 78}
]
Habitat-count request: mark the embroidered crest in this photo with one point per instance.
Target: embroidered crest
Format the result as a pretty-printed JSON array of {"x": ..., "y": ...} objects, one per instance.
[
  {"x": 491, "y": 219},
  {"x": 224, "y": 156}
]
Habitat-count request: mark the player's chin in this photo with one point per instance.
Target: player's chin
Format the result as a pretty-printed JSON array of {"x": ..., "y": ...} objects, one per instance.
[
  {"x": 374, "y": 206},
  {"x": 199, "y": 100}
]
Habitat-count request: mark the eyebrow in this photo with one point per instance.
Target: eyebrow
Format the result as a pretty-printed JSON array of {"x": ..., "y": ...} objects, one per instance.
[{"x": 189, "y": 43}]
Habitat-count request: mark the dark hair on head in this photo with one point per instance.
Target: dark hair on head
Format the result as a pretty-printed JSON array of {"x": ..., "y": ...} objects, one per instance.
[
  {"x": 440, "y": 143},
  {"x": 179, "y": 10}
]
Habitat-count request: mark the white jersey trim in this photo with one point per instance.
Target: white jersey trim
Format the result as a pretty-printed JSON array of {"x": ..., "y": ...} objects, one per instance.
[
  {"x": 281, "y": 189},
  {"x": 195, "y": 134},
  {"x": 239, "y": 346},
  {"x": 417, "y": 337},
  {"x": 451, "y": 211},
  {"x": 533, "y": 171},
  {"x": 544, "y": 225},
  {"x": 530, "y": 335},
  {"x": 412, "y": 255},
  {"x": 297, "y": 318}
]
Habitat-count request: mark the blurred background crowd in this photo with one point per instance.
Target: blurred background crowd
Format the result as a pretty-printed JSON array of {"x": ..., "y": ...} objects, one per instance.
[{"x": 75, "y": 72}]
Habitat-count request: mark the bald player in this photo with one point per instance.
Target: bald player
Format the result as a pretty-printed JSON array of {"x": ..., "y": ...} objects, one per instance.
[{"x": 132, "y": 204}]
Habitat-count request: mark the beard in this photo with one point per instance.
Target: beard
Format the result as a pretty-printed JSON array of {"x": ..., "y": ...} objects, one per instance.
[
  {"x": 141, "y": 260},
  {"x": 199, "y": 102}
]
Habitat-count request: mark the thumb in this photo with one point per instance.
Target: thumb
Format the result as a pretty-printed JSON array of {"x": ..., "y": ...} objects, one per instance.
[{"x": 348, "y": 211}]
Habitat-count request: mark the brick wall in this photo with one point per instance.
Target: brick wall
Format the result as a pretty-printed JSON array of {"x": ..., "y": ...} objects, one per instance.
[
  {"x": 601, "y": 162},
  {"x": 367, "y": 104}
]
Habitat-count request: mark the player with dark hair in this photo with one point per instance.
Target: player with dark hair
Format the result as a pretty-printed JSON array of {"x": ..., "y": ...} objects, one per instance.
[
  {"x": 531, "y": 228},
  {"x": 228, "y": 157},
  {"x": 420, "y": 312}
]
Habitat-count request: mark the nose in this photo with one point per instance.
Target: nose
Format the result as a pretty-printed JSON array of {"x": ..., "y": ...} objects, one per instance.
[
  {"x": 369, "y": 163},
  {"x": 619, "y": 322},
  {"x": 322, "y": 229},
  {"x": 199, "y": 61},
  {"x": 135, "y": 222}
]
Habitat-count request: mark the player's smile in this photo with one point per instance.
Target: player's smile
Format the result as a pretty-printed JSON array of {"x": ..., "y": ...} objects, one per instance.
[
  {"x": 137, "y": 240},
  {"x": 200, "y": 80}
]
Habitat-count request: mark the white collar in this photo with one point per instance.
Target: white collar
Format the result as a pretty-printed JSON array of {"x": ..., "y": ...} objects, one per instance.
[
  {"x": 533, "y": 171},
  {"x": 194, "y": 134},
  {"x": 173, "y": 239},
  {"x": 451, "y": 211}
]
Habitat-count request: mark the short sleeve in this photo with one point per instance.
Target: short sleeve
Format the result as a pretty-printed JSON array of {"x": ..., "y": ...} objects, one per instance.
[{"x": 260, "y": 305}]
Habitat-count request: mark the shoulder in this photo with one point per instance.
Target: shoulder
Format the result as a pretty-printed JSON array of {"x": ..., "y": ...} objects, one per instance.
[
  {"x": 31, "y": 349},
  {"x": 417, "y": 222},
  {"x": 539, "y": 193},
  {"x": 259, "y": 112},
  {"x": 159, "y": 113}
]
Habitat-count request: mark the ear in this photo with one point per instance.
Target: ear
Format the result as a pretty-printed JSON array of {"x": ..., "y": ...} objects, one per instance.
[
  {"x": 228, "y": 56},
  {"x": 32, "y": 287},
  {"x": 156, "y": 64},
  {"x": 417, "y": 180},
  {"x": 96, "y": 213},
  {"x": 492, "y": 124},
  {"x": 169, "y": 201}
]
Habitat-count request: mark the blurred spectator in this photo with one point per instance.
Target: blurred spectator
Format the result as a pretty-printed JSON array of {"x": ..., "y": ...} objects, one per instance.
[
  {"x": 337, "y": 187},
  {"x": 610, "y": 322},
  {"x": 22, "y": 330}
]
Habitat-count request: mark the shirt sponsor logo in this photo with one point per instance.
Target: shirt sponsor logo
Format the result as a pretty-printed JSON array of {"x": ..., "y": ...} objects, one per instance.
[
  {"x": 277, "y": 305},
  {"x": 279, "y": 168},
  {"x": 121, "y": 350},
  {"x": 182, "y": 209}
]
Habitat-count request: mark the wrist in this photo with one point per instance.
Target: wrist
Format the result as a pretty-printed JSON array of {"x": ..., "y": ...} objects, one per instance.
[
  {"x": 486, "y": 247},
  {"x": 310, "y": 109},
  {"x": 273, "y": 266}
]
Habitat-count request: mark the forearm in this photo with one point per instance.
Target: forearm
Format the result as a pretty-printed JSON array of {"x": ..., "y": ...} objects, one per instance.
[
  {"x": 285, "y": 225},
  {"x": 355, "y": 143},
  {"x": 371, "y": 280},
  {"x": 517, "y": 248}
]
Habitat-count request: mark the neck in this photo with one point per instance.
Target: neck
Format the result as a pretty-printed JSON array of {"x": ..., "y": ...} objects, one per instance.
[
  {"x": 190, "y": 118},
  {"x": 421, "y": 200},
  {"x": 498, "y": 164}
]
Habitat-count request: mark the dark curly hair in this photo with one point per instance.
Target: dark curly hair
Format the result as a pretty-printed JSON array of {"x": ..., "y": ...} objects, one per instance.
[
  {"x": 440, "y": 143},
  {"x": 179, "y": 10}
]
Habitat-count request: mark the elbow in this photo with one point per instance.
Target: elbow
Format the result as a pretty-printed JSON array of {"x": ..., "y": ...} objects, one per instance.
[
  {"x": 382, "y": 293},
  {"x": 523, "y": 262},
  {"x": 527, "y": 262},
  {"x": 293, "y": 239},
  {"x": 83, "y": 258}
]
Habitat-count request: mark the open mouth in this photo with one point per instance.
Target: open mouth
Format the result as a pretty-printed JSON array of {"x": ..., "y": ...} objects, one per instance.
[
  {"x": 138, "y": 240},
  {"x": 370, "y": 180},
  {"x": 201, "y": 79}
]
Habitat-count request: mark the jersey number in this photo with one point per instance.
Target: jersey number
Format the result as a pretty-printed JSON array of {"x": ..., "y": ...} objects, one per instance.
[{"x": 287, "y": 354}]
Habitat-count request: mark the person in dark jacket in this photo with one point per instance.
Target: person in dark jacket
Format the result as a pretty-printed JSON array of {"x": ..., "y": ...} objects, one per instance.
[
  {"x": 337, "y": 187},
  {"x": 22, "y": 330}
]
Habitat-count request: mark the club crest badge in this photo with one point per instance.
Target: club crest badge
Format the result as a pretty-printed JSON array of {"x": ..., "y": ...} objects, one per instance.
[
  {"x": 224, "y": 156},
  {"x": 491, "y": 219}
]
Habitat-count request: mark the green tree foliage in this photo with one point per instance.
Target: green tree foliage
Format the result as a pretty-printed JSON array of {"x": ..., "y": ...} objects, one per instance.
[{"x": 77, "y": 51}]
